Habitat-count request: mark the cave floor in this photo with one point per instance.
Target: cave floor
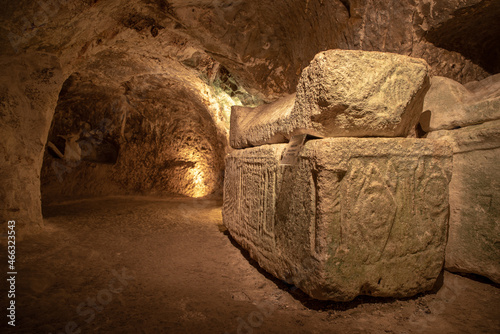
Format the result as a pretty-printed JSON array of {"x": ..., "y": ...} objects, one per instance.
[{"x": 167, "y": 265}]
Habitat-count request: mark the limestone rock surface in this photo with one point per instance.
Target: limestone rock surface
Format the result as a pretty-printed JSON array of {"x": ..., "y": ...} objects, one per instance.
[
  {"x": 353, "y": 217},
  {"x": 357, "y": 93},
  {"x": 269, "y": 43},
  {"x": 474, "y": 234},
  {"x": 27, "y": 96},
  {"x": 165, "y": 132},
  {"x": 262, "y": 45},
  {"x": 449, "y": 105},
  {"x": 265, "y": 124}
]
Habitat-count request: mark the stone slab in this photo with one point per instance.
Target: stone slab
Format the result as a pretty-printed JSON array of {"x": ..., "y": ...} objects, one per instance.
[
  {"x": 265, "y": 124},
  {"x": 474, "y": 236},
  {"x": 449, "y": 105},
  {"x": 353, "y": 217},
  {"x": 360, "y": 93}
]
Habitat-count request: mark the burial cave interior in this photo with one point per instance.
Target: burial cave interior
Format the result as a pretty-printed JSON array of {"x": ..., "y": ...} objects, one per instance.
[{"x": 144, "y": 188}]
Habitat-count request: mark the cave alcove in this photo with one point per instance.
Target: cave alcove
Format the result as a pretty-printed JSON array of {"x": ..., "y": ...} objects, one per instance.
[
  {"x": 115, "y": 117},
  {"x": 148, "y": 135}
]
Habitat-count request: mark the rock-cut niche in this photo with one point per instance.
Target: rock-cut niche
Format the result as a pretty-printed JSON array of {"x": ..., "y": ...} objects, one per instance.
[{"x": 149, "y": 135}]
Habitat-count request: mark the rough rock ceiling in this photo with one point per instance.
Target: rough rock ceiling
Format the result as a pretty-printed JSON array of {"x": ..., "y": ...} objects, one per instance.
[
  {"x": 264, "y": 44},
  {"x": 473, "y": 32}
]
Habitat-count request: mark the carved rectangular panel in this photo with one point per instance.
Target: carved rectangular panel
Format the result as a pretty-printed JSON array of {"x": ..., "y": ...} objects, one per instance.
[{"x": 250, "y": 196}]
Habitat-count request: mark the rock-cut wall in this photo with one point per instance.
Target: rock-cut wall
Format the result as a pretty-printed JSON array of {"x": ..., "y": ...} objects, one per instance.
[{"x": 29, "y": 89}]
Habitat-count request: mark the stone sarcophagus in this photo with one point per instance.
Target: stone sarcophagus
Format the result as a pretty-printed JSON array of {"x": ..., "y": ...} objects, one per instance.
[
  {"x": 354, "y": 216},
  {"x": 474, "y": 233}
]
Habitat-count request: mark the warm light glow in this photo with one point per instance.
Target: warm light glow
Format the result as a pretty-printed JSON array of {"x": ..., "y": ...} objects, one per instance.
[
  {"x": 198, "y": 179},
  {"x": 200, "y": 189}
]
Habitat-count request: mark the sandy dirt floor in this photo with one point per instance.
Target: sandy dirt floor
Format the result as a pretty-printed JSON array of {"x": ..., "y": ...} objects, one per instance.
[{"x": 156, "y": 265}]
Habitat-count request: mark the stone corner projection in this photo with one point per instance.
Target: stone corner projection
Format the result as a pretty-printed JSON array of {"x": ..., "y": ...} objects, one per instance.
[
  {"x": 341, "y": 93},
  {"x": 361, "y": 93},
  {"x": 265, "y": 124}
]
